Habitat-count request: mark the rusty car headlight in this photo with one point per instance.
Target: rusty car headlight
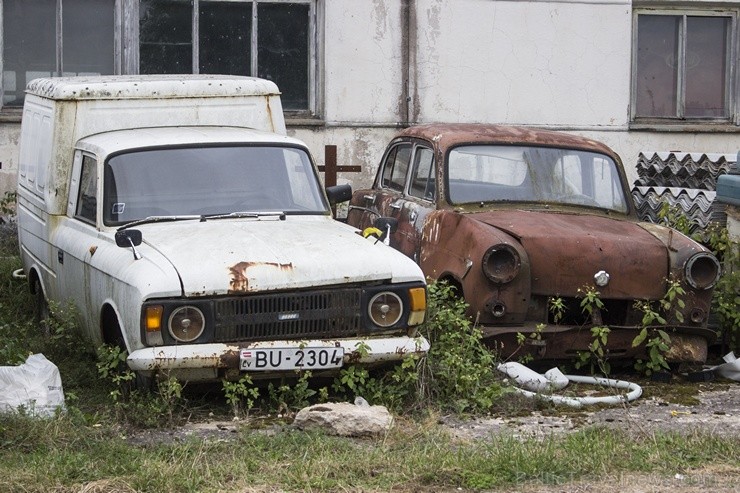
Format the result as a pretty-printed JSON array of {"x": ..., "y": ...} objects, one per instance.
[
  {"x": 186, "y": 323},
  {"x": 702, "y": 270},
  {"x": 385, "y": 309},
  {"x": 501, "y": 263}
]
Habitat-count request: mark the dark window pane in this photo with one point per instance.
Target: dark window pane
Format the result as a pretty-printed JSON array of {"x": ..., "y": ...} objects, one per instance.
[
  {"x": 657, "y": 57},
  {"x": 165, "y": 37},
  {"x": 283, "y": 50},
  {"x": 225, "y": 38},
  {"x": 706, "y": 66},
  {"x": 29, "y": 36},
  {"x": 87, "y": 198},
  {"x": 87, "y": 27}
]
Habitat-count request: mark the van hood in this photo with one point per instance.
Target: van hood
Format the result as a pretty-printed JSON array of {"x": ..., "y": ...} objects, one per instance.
[
  {"x": 228, "y": 256},
  {"x": 566, "y": 250}
]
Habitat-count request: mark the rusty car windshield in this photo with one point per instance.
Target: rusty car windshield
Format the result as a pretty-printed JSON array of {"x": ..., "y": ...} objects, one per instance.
[
  {"x": 210, "y": 181},
  {"x": 492, "y": 173}
]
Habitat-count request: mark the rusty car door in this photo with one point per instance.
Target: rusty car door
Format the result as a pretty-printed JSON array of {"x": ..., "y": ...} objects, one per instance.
[
  {"x": 417, "y": 203},
  {"x": 383, "y": 199}
]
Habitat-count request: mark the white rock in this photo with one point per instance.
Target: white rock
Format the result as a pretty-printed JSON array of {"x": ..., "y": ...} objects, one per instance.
[{"x": 345, "y": 419}]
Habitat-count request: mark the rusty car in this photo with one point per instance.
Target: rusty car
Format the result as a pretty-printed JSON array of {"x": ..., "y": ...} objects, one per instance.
[{"x": 519, "y": 219}]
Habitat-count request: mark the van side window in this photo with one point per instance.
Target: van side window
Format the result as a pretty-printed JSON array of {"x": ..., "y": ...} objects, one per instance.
[{"x": 87, "y": 199}]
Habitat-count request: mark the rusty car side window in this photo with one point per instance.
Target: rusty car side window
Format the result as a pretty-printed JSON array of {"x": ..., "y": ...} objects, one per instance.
[
  {"x": 423, "y": 174},
  {"x": 87, "y": 197},
  {"x": 395, "y": 167}
]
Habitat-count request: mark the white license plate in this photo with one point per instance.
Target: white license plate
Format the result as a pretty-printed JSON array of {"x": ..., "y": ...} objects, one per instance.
[{"x": 308, "y": 358}]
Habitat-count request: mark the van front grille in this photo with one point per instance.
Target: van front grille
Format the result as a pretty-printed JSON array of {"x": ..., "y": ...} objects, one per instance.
[{"x": 311, "y": 314}]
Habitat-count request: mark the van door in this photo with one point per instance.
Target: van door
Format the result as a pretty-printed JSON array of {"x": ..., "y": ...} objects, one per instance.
[{"x": 76, "y": 239}]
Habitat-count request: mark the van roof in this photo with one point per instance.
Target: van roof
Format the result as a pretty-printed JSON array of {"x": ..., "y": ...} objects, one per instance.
[
  {"x": 150, "y": 87},
  {"x": 141, "y": 138}
]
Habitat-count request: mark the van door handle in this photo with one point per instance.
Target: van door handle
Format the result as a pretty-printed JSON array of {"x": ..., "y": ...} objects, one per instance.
[
  {"x": 369, "y": 198},
  {"x": 396, "y": 205}
]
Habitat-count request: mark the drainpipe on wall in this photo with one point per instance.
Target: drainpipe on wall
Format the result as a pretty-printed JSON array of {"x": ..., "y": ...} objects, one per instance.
[{"x": 408, "y": 63}]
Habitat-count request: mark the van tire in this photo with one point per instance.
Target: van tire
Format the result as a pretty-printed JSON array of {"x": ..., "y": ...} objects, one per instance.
[
  {"x": 41, "y": 312},
  {"x": 144, "y": 382}
]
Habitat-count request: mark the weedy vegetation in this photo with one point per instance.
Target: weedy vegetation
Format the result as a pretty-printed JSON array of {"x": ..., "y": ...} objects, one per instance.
[{"x": 114, "y": 437}]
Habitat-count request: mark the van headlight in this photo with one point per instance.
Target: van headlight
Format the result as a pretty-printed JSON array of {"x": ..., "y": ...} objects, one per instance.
[
  {"x": 186, "y": 323},
  {"x": 385, "y": 309}
]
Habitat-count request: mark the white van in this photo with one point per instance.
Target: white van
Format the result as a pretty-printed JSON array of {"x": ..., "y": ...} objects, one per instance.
[{"x": 183, "y": 224}]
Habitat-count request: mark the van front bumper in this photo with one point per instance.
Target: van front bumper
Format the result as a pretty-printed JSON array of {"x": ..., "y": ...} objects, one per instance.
[{"x": 204, "y": 361}]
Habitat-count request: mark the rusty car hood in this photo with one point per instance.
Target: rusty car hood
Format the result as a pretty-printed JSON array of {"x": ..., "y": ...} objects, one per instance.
[
  {"x": 228, "y": 256},
  {"x": 565, "y": 251}
]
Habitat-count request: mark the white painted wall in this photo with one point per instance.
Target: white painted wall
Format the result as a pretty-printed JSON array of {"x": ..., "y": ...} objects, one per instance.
[
  {"x": 544, "y": 63},
  {"x": 556, "y": 64}
]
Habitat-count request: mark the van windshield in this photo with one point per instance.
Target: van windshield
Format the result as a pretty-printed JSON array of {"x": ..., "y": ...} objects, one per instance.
[{"x": 209, "y": 180}]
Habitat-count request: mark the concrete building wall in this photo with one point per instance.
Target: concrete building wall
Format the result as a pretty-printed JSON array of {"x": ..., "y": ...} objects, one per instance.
[{"x": 386, "y": 63}]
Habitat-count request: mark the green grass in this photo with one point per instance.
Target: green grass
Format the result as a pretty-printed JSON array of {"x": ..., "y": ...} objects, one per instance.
[{"x": 61, "y": 455}]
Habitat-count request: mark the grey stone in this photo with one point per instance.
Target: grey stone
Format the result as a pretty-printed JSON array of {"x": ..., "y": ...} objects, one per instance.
[{"x": 345, "y": 419}]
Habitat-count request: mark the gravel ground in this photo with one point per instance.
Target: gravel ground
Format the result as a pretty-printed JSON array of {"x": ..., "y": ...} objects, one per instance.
[{"x": 683, "y": 407}]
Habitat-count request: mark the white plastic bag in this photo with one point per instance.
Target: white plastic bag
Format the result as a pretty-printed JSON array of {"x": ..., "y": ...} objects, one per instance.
[
  {"x": 36, "y": 385},
  {"x": 730, "y": 368}
]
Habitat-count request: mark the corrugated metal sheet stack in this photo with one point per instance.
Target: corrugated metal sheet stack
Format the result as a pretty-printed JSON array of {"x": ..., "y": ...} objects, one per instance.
[{"x": 684, "y": 180}]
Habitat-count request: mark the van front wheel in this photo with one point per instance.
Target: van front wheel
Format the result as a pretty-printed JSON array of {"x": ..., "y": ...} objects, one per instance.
[{"x": 41, "y": 312}]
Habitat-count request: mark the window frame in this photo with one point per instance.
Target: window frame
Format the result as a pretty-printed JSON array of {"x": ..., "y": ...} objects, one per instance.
[
  {"x": 15, "y": 112},
  {"x": 680, "y": 122},
  {"x": 126, "y": 51}
]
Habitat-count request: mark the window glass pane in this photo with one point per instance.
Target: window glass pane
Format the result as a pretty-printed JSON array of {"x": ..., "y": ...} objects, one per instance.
[
  {"x": 87, "y": 27},
  {"x": 225, "y": 38},
  {"x": 165, "y": 37},
  {"x": 657, "y": 56},
  {"x": 87, "y": 199},
  {"x": 29, "y": 52},
  {"x": 534, "y": 174},
  {"x": 706, "y": 66},
  {"x": 388, "y": 168},
  {"x": 210, "y": 180},
  {"x": 283, "y": 50},
  {"x": 422, "y": 183},
  {"x": 400, "y": 166}
]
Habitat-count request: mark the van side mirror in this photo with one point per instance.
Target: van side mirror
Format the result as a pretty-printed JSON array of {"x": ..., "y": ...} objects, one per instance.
[
  {"x": 129, "y": 238},
  {"x": 339, "y": 193}
]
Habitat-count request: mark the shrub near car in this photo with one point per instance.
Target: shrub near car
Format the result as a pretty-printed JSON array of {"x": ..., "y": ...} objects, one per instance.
[
  {"x": 516, "y": 218},
  {"x": 183, "y": 225}
]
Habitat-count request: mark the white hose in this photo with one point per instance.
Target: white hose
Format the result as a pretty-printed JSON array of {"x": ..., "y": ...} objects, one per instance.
[
  {"x": 517, "y": 373},
  {"x": 19, "y": 274}
]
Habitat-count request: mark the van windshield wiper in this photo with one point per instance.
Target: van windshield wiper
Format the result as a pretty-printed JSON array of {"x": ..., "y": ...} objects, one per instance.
[
  {"x": 279, "y": 214},
  {"x": 157, "y": 219}
]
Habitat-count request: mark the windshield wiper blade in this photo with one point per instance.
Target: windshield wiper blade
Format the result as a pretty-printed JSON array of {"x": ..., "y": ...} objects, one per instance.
[
  {"x": 239, "y": 214},
  {"x": 157, "y": 219}
]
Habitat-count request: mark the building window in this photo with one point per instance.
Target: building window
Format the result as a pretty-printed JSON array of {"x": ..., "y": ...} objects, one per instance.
[
  {"x": 51, "y": 38},
  {"x": 684, "y": 66},
  {"x": 267, "y": 39}
]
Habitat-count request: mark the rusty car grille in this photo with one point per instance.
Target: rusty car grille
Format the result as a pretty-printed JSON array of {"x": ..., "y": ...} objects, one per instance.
[
  {"x": 615, "y": 312},
  {"x": 314, "y": 314}
]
